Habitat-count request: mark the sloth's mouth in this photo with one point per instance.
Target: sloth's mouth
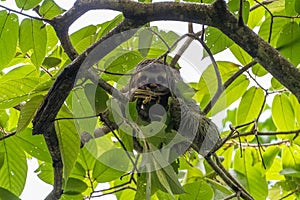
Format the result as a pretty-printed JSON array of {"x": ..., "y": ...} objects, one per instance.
[{"x": 151, "y": 92}]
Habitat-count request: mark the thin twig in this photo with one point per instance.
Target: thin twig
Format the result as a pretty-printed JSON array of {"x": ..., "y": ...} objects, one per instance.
[
  {"x": 266, "y": 2},
  {"x": 7, "y": 135},
  {"x": 115, "y": 191},
  {"x": 233, "y": 143},
  {"x": 24, "y": 14},
  {"x": 268, "y": 133}
]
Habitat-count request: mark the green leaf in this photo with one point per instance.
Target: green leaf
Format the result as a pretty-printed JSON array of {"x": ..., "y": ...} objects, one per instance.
[
  {"x": 26, "y": 5},
  {"x": 269, "y": 155},
  {"x": 291, "y": 157},
  {"x": 2, "y": 157},
  {"x": 23, "y": 71},
  {"x": 125, "y": 133},
  {"x": 231, "y": 94},
  {"x": 15, "y": 91},
  {"x": 45, "y": 172},
  {"x": 33, "y": 36},
  {"x": 28, "y": 111},
  {"x": 107, "y": 26},
  {"x": 3, "y": 118},
  {"x": 282, "y": 113},
  {"x": 289, "y": 42},
  {"x": 258, "y": 70},
  {"x": 290, "y": 172},
  {"x": 52, "y": 39},
  {"x": 111, "y": 165},
  {"x": 82, "y": 108},
  {"x": 71, "y": 197},
  {"x": 273, "y": 172},
  {"x": 246, "y": 11},
  {"x": 123, "y": 64},
  {"x": 216, "y": 40},
  {"x": 69, "y": 141},
  {"x": 240, "y": 54},
  {"x": 50, "y": 9},
  {"x": 297, "y": 6},
  {"x": 290, "y": 6},
  {"x": 276, "y": 84},
  {"x": 197, "y": 190},
  {"x": 165, "y": 173},
  {"x": 250, "y": 176},
  {"x": 278, "y": 24},
  {"x": 250, "y": 105},
  {"x": 75, "y": 186},
  {"x": 14, "y": 170},
  {"x": 145, "y": 40},
  {"x": 256, "y": 17},
  {"x": 97, "y": 97},
  {"x": 296, "y": 106},
  {"x": 9, "y": 26},
  {"x": 207, "y": 85},
  {"x": 83, "y": 38},
  {"x": 6, "y": 194},
  {"x": 220, "y": 190},
  {"x": 34, "y": 145},
  {"x": 50, "y": 62}
]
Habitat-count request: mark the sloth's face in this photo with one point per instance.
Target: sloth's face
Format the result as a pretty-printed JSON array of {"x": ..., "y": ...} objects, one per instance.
[{"x": 149, "y": 86}]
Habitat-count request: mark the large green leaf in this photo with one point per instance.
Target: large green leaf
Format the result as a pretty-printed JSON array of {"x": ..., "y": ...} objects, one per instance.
[
  {"x": 45, "y": 172},
  {"x": 265, "y": 30},
  {"x": 6, "y": 194},
  {"x": 243, "y": 57},
  {"x": 69, "y": 140},
  {"x": 290, "y": 7},
  {"x": 256, "y": 17},
  {"x": 75, "y": 186},
  {"x": 291, "y": 157},
  {"x": 296, "y": 106},
  {"x": 83, "y": 108},
  {"x": 197, "y": 190},
  {"x": 15, "y": 91},
  {"x": 216, "y": 40},
  {"x": 14, "y": 170},
  {"x": 269, "y": 156},
  {"x": 34, "y": 145},
  {"x": 208, "y": 83},
  {"x": 164, "y": 172},
  {"x": 9, "y": 27},
  {"x": 231, "y": 94},
  {"x": 145, "y": 40},
  {"x": 107, "y": 26},
  {"x": 289, "y": 42},
  {"x": 28, "y": 111},
  {"x": 111, "y": 165},
  {"x": 50, "y": 9},
  {"x": 52, "y": 39},
  {"x": 250, "y": 176},
  {"x": 82, "y": 38},
  {"x": 96, "y": 96},
  {"x": 282, "y": 113},
  {"x": 297, "y": 6},
  {"x": 123, "y": 63},
  {"x": 26, "y": 5},
  {"x": 33, "y": 36},
  {"x": 250, "y": 105}
]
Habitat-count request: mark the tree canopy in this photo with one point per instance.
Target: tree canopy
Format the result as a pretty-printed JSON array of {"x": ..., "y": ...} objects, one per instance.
[{"x": 63, "y": 99}]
